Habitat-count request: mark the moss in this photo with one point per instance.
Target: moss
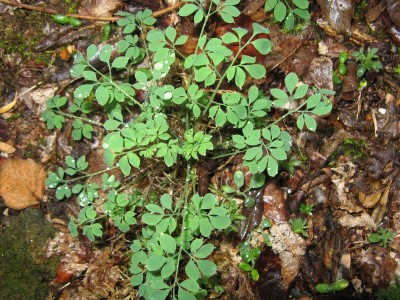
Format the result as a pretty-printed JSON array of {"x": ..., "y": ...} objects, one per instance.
[
  {"x": 21, "y": 32},
  {"x": 24, "y": 270},
  {"x": 71, "y": 6},
  {"x": 354, "y": 148}
]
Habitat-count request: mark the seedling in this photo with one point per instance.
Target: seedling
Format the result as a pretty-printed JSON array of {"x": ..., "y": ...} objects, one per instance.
[
  {"x": 367, "y": 62},
  {"x": 307, "y": 209},
  {"x": 384, "y": 237},
  {"x": 249, "y": 256},
  {"x": 299, "y": 226},
  {"x": 337, "y": 286}
]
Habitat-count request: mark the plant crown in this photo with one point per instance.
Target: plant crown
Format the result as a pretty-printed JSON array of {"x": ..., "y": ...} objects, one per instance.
[{"x": 179, "y": 125}]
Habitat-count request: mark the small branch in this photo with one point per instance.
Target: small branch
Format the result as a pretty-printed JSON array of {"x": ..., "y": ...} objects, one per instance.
[{"x": 85, "y": 17}]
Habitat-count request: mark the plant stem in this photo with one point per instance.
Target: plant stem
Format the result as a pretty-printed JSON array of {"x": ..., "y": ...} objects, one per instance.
[
  {"x": 84, "y": 17},
  {"x": 90, "y": 175},
  {"x": 80, "y": 118}
]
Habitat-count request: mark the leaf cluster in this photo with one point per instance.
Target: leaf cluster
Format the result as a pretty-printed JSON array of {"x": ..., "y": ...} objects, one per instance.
[
  {"x": 288, "y": 11},
  {"x": 383, "y": 236},
  {"x": 159, "y": 252},
  {"x": 367, "y": 62},
  {"x": 299, "y": 226}
]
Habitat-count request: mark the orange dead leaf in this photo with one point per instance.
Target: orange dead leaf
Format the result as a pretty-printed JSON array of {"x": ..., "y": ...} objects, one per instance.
[
  {"x": 21, "y": 182},
  {"x": 6, "y": 148}
]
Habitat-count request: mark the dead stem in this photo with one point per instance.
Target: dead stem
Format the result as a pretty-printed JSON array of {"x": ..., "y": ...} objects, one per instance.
[{"x": 85, "y": 17}]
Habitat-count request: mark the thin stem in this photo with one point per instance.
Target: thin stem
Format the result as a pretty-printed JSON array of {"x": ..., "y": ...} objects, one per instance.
[
  {"x": 85, "y": 17},
  {"x": 89, "y": 175},
  {"x": 287, "y": 114},
  {"x": 183, "y": 214},
  {"x": 80, "y": 118},
  {"x": 228, "y": 154}
]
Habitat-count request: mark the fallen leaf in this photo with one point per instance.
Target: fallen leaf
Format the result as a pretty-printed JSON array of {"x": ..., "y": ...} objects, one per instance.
[
  {"x": 21, "y": 182},
  {"x": 275, "y": 208},
  {"x": 369, "y": 200},
  {"x": 393, "y": 8},
  {"x": 320, "y": 73},
  {"x": 349, "y": 220},
  {"x": 338, "y": 13},
  {"x": 379, "y": 211},
  {"x": 6, "y": 148},
  {"x": 103, "y": 8},
  {"x": 291, "y": 249},
  {"x": 8, "y": 106}
]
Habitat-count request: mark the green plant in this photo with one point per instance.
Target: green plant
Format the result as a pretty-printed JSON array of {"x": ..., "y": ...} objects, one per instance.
[
  {"x": 383, "y": 236},
  {"x": 367, "y": 62},
  {"x": 307, "y": 209},
  {"x": 299, "y": 226},
  {"x": 256, "y": 182},
  {"x": 287, "y": 11},
  {"x": 337, "y": 286},
  {"x": 249, "y": 256},
  {"x": 179, "y": 125},
  {"x": 397, "y": 69},
  {"x": 250, "y": 249}
]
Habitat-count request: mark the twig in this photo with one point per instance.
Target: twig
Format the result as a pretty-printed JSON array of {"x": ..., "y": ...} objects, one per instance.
[{"x": 85, "y": 17}]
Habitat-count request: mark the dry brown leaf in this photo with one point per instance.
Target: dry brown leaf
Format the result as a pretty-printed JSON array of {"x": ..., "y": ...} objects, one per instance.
[
  {"x": 103, "y": 8},
  {"x": 320, "y": 73},
  {"x": 393, "y": 8},
  {"x": 291, "y": 249},
  {"x": 370, "y": 200},
  {"x": 6, "y": 148},
  {"x": 21, "y": 182},
  {"x": 379, "y": 211},
  {"x": 348, "y": 220},
  {"x": 343, "y": 176}
]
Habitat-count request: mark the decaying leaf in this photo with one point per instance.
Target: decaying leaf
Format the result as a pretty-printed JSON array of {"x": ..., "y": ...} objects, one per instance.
[
  {"x": 377, "y": 267},
  {"x": 347, "y": 220},
  {"x": 291, "y": 249},
  {"x": 379, "y": 211},
  {"x": 343, "y": 175},
  {"x": 275, "y": 208},
  {"x": 103, "y": 8},
  {"x": 339, "y": 14},
  {"x": 6, "y": 148},
  {"x": 320, "y": 73},
  {"x": 8, "y": 106},
  {"x": 393, "y": 8},
  {"x": 369, "y": 200},
  {"x": 21, "y": 182}
]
